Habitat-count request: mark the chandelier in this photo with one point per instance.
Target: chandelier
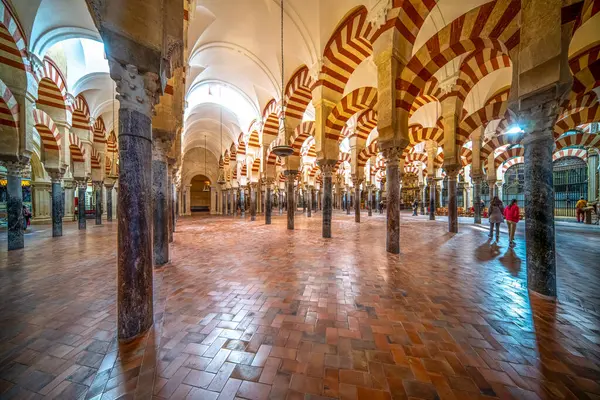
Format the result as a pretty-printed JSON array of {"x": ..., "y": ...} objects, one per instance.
[
  {"x": 282, "y": 149},
  {"x": 221, "y": 178}
]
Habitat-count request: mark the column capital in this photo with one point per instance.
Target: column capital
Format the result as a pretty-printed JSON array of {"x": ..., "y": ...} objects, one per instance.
[
  {"x": 452, "y": 171},
  {"x": 16, "y": 167},
  {"x": 162, "y": 141},
  {"x": 81, "y": 183},
  {"x": 56, "y": 175},
  {"x": 98, "y": 184},
  {"x": 392, "y": 154},
  {"x": 327, "y": 167},
  {"x": 137, "y": 91}
]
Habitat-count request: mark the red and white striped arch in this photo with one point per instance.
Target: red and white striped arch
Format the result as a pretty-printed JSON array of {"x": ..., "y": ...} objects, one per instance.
[
  {"x": 577, "y": 103},
  {"x": 361, "y": 99},
  {"x": 511, "y": 162},
  {"x": 580, "y": 153},
  {"x": 494, "y": 143},
  {"x": 52, "y": 89},
  {"x": 81, "y": 113},
  {"x": 95, "y": 159},
  {"x": 500, "y": 96},
  {"x": 301, "y": 133},
  {"x": 298, "y": 94},
  {"x": 111, "y": 143},
  {"x": 578, "y": 139},
  {"x": 418, "y": 134},
  {"x": 585, "y": 66},
  {"x": 13, "y": 47},
  {"x": 493, "y": 25},
  {"x": 76, "y": 148},
  {"x": 271, "y": 122},
  {"x": 479, "y": 118},
  {"x": 253, "y": 141},
  {"x": 241, "y": 149},
  {"x": 478, "y": 65},
  {"x": 507, "y": 154},
  {"x": 107, "y": 165},
  {"x": 233, "y": 152},
  {"x": 366, "y": 122},
  {"x": 366, "y": 153},
  {"x": 416, "y": 157},
  {"x": 99, "y": 130},
  {"x": 51, "y": 138},
  {"x": 583, "y": 116},
  {"x": 9, "y": 108},
  {"x": 348, "y": 46},
  {"x": 466, "y": 156}
]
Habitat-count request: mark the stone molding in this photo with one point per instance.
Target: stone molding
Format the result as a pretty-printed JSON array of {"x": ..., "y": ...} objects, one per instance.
[
  {"x": 378, "y": 11},
  {"x": 16, "y": 168},
  {"x": 138, "y": 92}
]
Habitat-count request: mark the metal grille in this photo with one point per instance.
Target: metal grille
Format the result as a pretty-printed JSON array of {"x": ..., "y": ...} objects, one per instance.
[
  {"x": 514, "y": 186},
  {"x": 570, "y": 184}
]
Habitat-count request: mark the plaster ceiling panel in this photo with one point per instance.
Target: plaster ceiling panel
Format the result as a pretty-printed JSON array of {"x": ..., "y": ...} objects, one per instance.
[
  {"x": 486, "y": 87},
  {"x": 201, "y": 20},
  {"x": 57, "y": 20},
  {"x": 427, "y": 115},
  {"x": 444, "y": 12},
  {"x": 364, "y": 75},
  {"x": 26, "y": 11}
]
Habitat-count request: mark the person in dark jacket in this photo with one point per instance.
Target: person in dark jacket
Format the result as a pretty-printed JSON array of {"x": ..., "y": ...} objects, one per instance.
[{"x": 26, "y": 217}]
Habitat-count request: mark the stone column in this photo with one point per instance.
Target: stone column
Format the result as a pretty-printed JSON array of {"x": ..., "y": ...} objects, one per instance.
[
  {"x": 347, "y": 194},
  {"x": 69, "y": 195},
  {"x": 309, "y": 201},
  {"x": 392, "y": 163},
  {"x": 98, "y": 194},
  {"x": 477, "y": 180},
  {"x": 492, "y": 187},
  {"x": 269, "y": 201},
  {"x": 137, "y": 96},
  {"x": 160, "y": 196},
  {"x": 109, "y": 201},
  {"x": 539, "y": 213},
  {"x": 370, "y": 201},
  {"x": 378, "y": 200},
  {"x": 58, "y": 205},
  {"x": 81, "y": 189},
  {"x": 14, "y": 204},
  {"x": 291, "y": 198},
  {"x": 466, "y": 197},
  {"x": 357, "y": 183},
  {"x": 423, "y": 198},
  {"x": 242, "y": 202},
  {"x": 252, "y": 187},
  {"x": 452, "y": 172},
  {"x": 327, "y": 167},
  {"x": 171, "y": 199},
  {"x": 592, "y": 162},
  {"x": 432, "y": 186}
]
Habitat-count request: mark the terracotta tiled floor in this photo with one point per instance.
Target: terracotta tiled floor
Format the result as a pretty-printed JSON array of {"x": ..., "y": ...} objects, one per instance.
[{"x": 253, "y": 311}]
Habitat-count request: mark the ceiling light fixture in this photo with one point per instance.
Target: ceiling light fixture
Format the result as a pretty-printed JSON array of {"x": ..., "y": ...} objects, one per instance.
[
  {"x": 221, "y": 179},
  {"x": 283, "y": 149}
]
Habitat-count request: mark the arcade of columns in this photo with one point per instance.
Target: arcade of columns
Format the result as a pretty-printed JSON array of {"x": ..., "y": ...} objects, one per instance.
[{"x": 551, "y": 94}]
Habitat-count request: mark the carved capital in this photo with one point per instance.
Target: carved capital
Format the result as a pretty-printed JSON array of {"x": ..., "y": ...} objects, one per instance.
[
  {"x": 97, "y": 184},
  {"x": 81, "y": 183},
  {"x": 137, "y": 91},
  {"x": 15, "y": 168},
  {"x": 378, "y": 11},
  {"x": 392, "y": 155},
  {"x": 327, "y": 168},
  {"x": 56, "y": 175}
]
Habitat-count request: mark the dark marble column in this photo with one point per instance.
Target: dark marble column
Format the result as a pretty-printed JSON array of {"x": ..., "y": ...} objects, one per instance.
[
  {"x": 539, "y": 213},
  {"x": 109, "y": 202},
  {"x": 348, "y": 201},
  {"x": 452, "y": 199},
  {"x": 357, "y": 183},
  {"x": 242, "y": 202},
  {"x": 81, "y": 189},
  {"x": 370, "y": 201},
  {"x": 327, "y": 167},
  {"x": 58, "y": 206},
  {"x": 432, "y": 185},
  {"x": 392, "y": 168},
  {"x": 98, "y": 194},
  {"x": 269, "y": 201},
  {"x": 291, "y": 198},
  {"x": 253, "y": 188},
  {"x": 477, "y": 199},
  {"x": 423, "y": 199},
  {"x": 137, "y": 96},
  {"x": 14, "y": 204},
  {"x": 308, "y": 198},
  {"x": 160, "y": 195}
]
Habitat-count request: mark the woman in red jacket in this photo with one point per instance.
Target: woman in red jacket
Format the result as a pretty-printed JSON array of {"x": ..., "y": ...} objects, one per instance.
[{"x": 511, "y": 213}]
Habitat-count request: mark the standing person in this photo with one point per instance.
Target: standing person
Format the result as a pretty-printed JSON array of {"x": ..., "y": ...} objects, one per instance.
[
  {"x": 415, "y": 206},
  {"x": 496, "y": 213},
  {"x": 581, "y": 204},
  {"x": 26, "y": 217},
  {"x": 512, "y": 215}
]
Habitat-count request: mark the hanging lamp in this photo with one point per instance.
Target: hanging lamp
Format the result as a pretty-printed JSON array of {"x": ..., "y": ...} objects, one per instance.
[{"x": 282, "y": 149}]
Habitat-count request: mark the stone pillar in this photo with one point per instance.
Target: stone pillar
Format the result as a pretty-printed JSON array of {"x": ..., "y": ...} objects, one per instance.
[
  {"x": 592, "y": 162},
  {"x": 327, "y": 167},
  {"x": 137, "y": 96},
  {"x": 347, "y": 201},
  {"x": 69, "y": 196},
  {"x": 432, "y": 186},
  {"x": 477, "y": 180},
  {"x": 378, "y": 200},
  {"x": 253, "y": 187},
  {"x": 291, "y": 198},
  {"x": 58, "y": 205},
  {"x": 171, "y": 199},
  {"x": 98, "y": 193},
  {"x": 14, "y": 204},
  {"x": 160, "y": 196},
  {"x": 357, "y": 183},
  {"x": 41, "y": 198},
  {"x": 242, "y": 202},
  {"x": 109, "y": 201},
  {"x": 269, "y": 201},
  {"x": 392, "y": 163},
  {"x": 466, "y": 197},
  {"x": 370, "y": 201},
  {"x": 492, "y": 187},
  {"x": 81, "y": 189},
  {"x": 452, "y": 172},
  {"x": 423, "y": 198},
  {"x": 539, "y": 213},
  {"x": 309, "y": 201}
]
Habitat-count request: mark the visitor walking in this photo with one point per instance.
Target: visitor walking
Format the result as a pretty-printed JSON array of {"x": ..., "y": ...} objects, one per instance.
[
  {"x": 496, "y": 213},
  {"x": 581, "y": 204},
  {"x": 26, "y": 217},
  {"x": 415, "y": 207},
  {"x": 512, "y": 215}
]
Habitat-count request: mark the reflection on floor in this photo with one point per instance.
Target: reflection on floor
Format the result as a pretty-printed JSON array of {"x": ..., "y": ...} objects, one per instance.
[{"x": 260, "y": 312}]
